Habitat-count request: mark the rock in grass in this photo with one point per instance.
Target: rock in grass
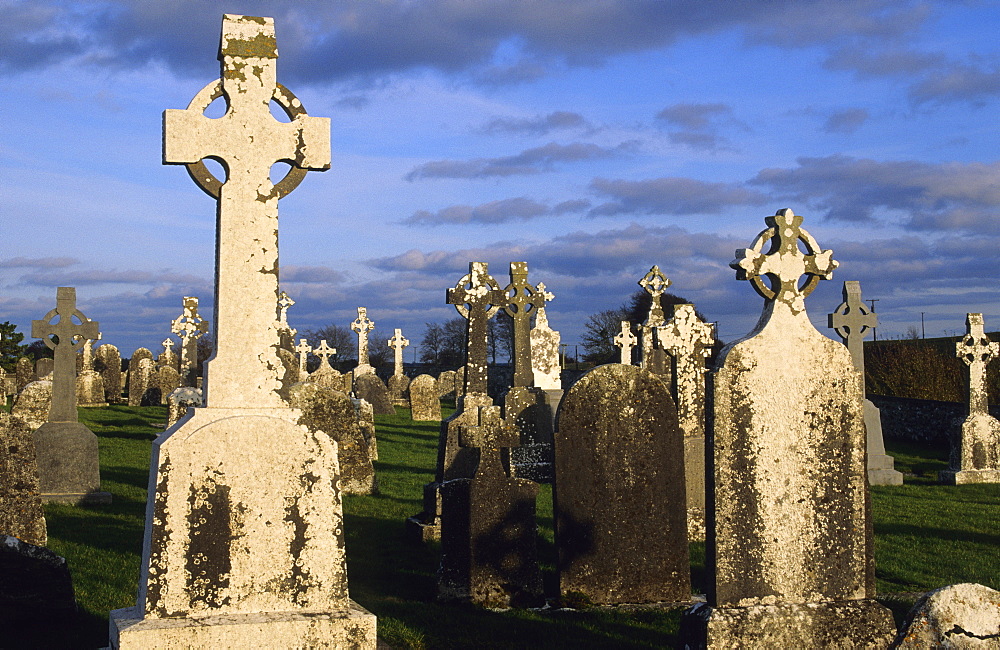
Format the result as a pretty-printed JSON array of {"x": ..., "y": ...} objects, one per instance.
[{"x": 957, "y": 616}]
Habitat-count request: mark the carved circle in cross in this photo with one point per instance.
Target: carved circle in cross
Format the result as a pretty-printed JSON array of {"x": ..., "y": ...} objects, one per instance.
[
  {"x": 974, "y": 345},
  {"x": 771, "y": 234},
  {"x": 655, "y": 282},
  {"x": 206, "y": 180},
  {"x": 465, "y": 288}
]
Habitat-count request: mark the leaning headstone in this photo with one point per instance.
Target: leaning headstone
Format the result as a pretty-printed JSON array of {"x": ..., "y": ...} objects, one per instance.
[
  {"x": 190, "y": 327},
  {"x": 21, "y": 514},
  {"x": 25, "y": 372},
  {"x": 425, "y": 405},
  {"x": 331, "y": 412},
  {"x": 975, "y": 453},
  {"x": 957, "y": 616},
  {"x": 89, "y": 382},
  {"x": 788, "y": 532},
  {"x": 369, "y": 387},
  {"x": 33, "y": 403},
  {"x": 363, "y": 325},
  {"x": 488, "y": 535},
  {"x": 111, "y": 373},
  {"x": 68, "y": 465},
  {"x": 179, "y": 400},
  {"x": 244, "y": 545},
  {"x": 852, "y": 321},
  {"x": 688, "y": 340},
  {"x": 139, "y": 376},
  {"x": 618, "y": 501}
]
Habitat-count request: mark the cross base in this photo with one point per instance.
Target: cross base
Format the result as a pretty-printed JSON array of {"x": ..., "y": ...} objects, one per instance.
[
  {"x": 969, "y": 476},
  {"x": 350, "y": 627}
]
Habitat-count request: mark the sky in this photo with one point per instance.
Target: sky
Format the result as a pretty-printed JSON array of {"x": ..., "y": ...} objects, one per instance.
[{"x": 590, "y": 138}]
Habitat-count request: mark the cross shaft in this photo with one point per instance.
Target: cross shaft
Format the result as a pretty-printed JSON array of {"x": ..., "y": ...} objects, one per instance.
[
  {"x": 852, "y": 321},
  {"x": 522, "y": 301},
  {"x": 64, "y": 338},
  {"x": 977, "y": 351},
  {"x": 477, "y": 297}
]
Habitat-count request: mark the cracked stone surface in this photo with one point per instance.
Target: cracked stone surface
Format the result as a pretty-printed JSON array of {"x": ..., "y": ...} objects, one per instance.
[{"x": 958, "y": 617}]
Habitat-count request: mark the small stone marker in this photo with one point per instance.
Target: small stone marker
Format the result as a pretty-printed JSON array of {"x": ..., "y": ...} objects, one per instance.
[
  {"x": 688, "y": 340},
  {"x": 852, "y": 321},
  {"x": 397, "y": 343},
  {"x": 975, "y": 453},
  {"x": 89, "y": 383},
  {"x": 425, "y": 406},
  {"x": 244, "y": 544},
  {"x": 653, "y": 356},
  {"x": 488, "y": 549},
  {"x": 788, "y": 536},
  {"x": 168, "y": 357},
  {"x": 446, "y": 383},
  {"x": 285, "y": 331},
  {"x": 618, "y": 501},
  {"x": 303, "y": 349},
  {"x": 139, "y": 376},
  {"x": 363, "y": 325},
  {"x": 369, "y": 387},
  {"x": 190, "y": 327},
  {"x": 68, "y": 465},
  {"x": 399, "y": 383},
  {"x": 111, "y": 374},
  {"x": 625, "y": 340}
]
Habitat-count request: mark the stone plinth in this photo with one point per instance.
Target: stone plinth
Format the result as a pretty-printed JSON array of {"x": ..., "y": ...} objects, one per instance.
[
  {"x": 618, "y": 502},
  {"x": 68, "y": 465}
]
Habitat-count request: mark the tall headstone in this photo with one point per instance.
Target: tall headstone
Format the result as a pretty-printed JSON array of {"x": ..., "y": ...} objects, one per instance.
[
  {"x": 190, "y": 327},
  {"x": 975, "y": 453},
  {"x": 477, "y": 297},
  {"x": 852, "y": 321},
  {"x": 688, "y": 340},
  {"x": 68, "y": 465},
  {"x": 618, "y": 499},
  {"x": 653, "y": 356},
  {"x": 425, "y": 405},
  {"x": 244, "y": 542},
  {"x": 111, "y": 372},
  {"x": 789, "y": 538},
  {"x": 21, "y": 514},
  {"x": 625, "y": 340},
  {"x": 363, "y": 325},
  {"x": 140, "y": 376},
  {"x": 89, "y": 383},
  {"x": 488, "y": 548},
  {"x": 399, "y": 383}
]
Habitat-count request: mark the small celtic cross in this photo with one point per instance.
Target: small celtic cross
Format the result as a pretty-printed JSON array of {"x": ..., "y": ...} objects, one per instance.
[
  {"x": 626, "y": 340},
  {"x": 852, "y": 320},
  {"x": 784, "y": 263},
  {"x": 303, "y": 348},
  {"x": 324, "y": 352},
  {"x": 976, "y": 350}
]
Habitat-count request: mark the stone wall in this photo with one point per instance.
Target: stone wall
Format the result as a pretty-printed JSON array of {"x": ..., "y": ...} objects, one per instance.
[{"x": 921, "y": 420}]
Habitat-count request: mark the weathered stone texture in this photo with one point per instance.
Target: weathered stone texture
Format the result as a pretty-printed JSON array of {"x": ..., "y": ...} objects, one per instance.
[
  {"x": 44, "y": 368},
  {"x": 619, "y": 505},
  {"x": 425, "y": 406},
  {"x": 446, "y": 383},
  {"x": 167, "y": 381},
  {"x": 139, "y": 376},
  {"x": 179, "y": 400},
  {"x": 545, "y": 347},
  {"x": 21, "y": 514},
  {"x": 371, "y": 389},
  {"x": 399, "y": 390},
  {"x": 109, "y": 361},
  {"x": 963, "y": 616},
  {"x": 24, "y": 372},
  {"x": 32, "y": 404}
]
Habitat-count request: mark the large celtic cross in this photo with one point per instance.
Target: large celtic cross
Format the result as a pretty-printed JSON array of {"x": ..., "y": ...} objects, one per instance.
[
  {"x": 362, "y": 325},
  {"x": 477, "y": 297},
  {"x": 852, "y": 320},
  {"x": 65, "y": 337},
  {"x": 247, "y": 141},
  {"x": 976, "y": 350},
  {"x": 784, "y": 264},
  {"x": 522, "y": 301},
  {"x": 397, "y": 343}
]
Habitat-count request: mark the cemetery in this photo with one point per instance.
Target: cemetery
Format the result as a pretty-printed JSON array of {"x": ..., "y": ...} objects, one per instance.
[{"x": 779, "y": 489}]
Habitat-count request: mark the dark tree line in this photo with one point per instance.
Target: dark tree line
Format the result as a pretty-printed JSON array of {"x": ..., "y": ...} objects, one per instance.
[{"x": 443, "y": 344}]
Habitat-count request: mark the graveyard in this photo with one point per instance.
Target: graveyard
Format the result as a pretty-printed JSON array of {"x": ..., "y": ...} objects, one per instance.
[{"x": 792, "y": 486}]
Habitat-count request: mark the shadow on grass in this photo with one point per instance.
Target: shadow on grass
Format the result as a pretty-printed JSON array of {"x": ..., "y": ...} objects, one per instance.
[{"x": 937, "y": 534}]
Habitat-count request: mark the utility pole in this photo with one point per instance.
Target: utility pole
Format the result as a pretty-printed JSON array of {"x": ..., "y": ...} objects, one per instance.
[
  {"x": 872, "y": 301},
  {"x": 923, "y": 333}
]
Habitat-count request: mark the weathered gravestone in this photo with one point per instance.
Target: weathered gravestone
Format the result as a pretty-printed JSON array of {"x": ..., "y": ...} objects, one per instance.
[
  {"x": 477, "y": 297},
  {"x": 446, "y": 383},
  {"x": 362, "y": 325},
  {"x": 111, "y": 372},
  {"x": 168, "y": 357},
  {"x": 244, "y": 543},
  {"x": 957, "y": 617},
  {"x": 286, "y": 333},
  {"x": 302, "y": 350},
  {"x": 852, "y": 321},
  {"x": 625, "y": 340},
  {"x": 369, "y": 387},
  {"x": 68, "y": 465},
  {"x": 167, "y": 381},
  {"x": 325, "y": 375},
  {"x": 688, "y": 340},
  {"x": 190, "y": 327},
  {"x": 488, "y": 549},
  {"x": 25, "y": 372},
  {"x": 140, "y": 376},
  {"x": 975, "y": 452},
  {"x": 366, "y": 422},
  {"x": 328, "y": 411},
  {"x": 21, "y": 514},
  {"x": 618, "y": 499},
  {"x": 33, "y": 403},
  {"x": 789, "y": 546},
  {"x": 89, "y": 383},
  {"x": 545, "y": 365},
  {"x": 425, "y": 405}
]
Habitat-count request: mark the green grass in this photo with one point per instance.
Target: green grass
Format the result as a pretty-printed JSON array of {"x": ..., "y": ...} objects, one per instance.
[{"x": 926, "y": 536}]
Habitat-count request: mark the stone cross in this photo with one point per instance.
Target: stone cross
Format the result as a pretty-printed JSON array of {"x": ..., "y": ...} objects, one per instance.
[
  {"x": 477, "y": 297},
  {"x": 324, "y": 352},
  {"x": 522, "y": 302},
  {"x": 655, "y": 283},
  {"x": 362, "y": 325},
  {"x": 689, "y": 341},
  {"x": 65, "y": 338},
  {"x": 977, "y": 351},
  {"x": 189, "y": 326},
  {"x": 492, "y": 434},
  {"x": 545, "y": 346},
  {"x": 397, "y": 343},
  {"x": 247, "y": 140},
  {"x": 284, "y": 302},
  {"x": 303, "y": 348},
  {"x": 852, "y": 320},
  {"x": 626, "y": 340},
  {"x": 784, "y": 264},
  {"x": 167, "y": 345}
]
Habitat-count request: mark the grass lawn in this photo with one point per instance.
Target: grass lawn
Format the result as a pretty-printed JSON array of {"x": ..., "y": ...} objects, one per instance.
[{"x": 926, "y": 536}]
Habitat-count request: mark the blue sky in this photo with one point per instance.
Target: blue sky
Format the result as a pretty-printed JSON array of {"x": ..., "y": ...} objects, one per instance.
[{"x": 590, "y": 138}]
